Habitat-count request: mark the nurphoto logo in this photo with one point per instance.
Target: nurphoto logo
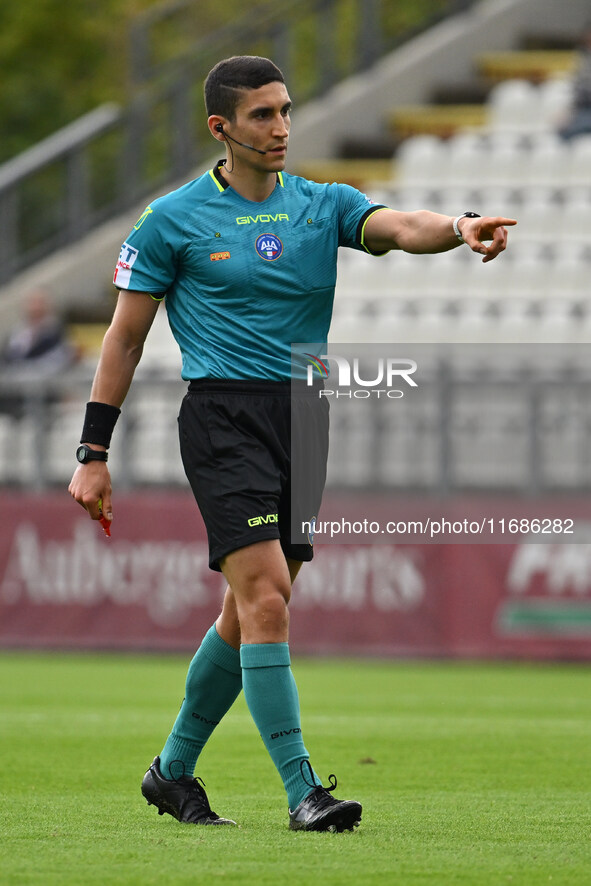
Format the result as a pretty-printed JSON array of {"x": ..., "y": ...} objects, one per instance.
[{"x": 378, "y": 379}]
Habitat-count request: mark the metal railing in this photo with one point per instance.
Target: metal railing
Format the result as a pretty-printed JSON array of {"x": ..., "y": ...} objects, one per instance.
[
  {"x": 524, "y": 430},
  {"x": 45, "y": 192},
  {"x": 112, "y": 158}
]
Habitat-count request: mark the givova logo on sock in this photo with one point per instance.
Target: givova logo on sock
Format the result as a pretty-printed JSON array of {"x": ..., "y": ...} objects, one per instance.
[
  {"x": 295, "y": 731},
  {"x": 205, "y": 720}
]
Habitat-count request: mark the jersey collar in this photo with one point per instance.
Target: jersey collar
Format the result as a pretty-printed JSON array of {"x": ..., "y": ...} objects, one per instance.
[{"x": 221, "y": 182}]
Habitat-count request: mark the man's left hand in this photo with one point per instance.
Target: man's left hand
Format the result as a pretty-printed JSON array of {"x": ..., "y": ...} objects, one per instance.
[{"x": 487, "y": 236}]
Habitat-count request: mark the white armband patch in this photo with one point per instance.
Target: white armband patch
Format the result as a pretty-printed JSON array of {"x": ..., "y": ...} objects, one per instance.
[{"x": 127, "y": 258}]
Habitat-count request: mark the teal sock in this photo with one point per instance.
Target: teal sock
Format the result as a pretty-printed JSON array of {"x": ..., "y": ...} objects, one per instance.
[
  {"x": 214, "y": 680},
  {"x": 272, "y": 698}
]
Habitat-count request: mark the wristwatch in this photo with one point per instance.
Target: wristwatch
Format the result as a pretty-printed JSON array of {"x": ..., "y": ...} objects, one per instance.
[
  {"x": 84, "y": 454},
  {"x": 456, "y": 220}
]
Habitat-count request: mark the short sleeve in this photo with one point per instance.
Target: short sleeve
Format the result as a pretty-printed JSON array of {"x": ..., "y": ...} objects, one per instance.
[
  {"x": 355, "y": 209},
  {"x": 148, "y": 259}
]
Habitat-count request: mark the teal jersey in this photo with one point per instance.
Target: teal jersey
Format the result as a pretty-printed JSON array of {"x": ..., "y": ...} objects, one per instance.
[{"x": 241, "y": 280}]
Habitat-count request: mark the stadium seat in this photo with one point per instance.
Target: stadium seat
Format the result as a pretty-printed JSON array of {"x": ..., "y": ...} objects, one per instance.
[
  {"x": 547, "y": 162},
  {"x": 573, "y": 218},
  {"x": 353, "y": 318},
  {"x": 475, "y": 313},
  {"x": 490, "y": 445},
  {"x": 422, "y": 161},
  {"x": 508, "y": 165},
  {"x": 400, "y": 273},
  {"x": 357, "y": 273},
  {"x": 567, "y": 276},
  {"x": 513, "y": 106},
  {"x": 518, "y": 106},
  {"x": 575, "y": 173},
  {"x": 492, "y": 280},
  {"x": 7, "y": 431},
  {"x": 384, "y": 195},
  {"x": 564, "y": 422},
  {"x": 516, "y": 316},
  {"x": 558, "y": 312},
  {"x": 21, "y": 466},
  {"x": 152, "y": 415},
  {"x": 556, "y": 96},
  {"x": 453, "y": 199},
  {"x": 409, "y": 199},
  {"x": 466, "y": 157},
  {"x": 350, "y": 442},
  {"x": 62, "y": 438},
  {"x": 497, "y": 199},
  {"x": 435, "y": 311},
  {"x": 408, "y": 452},
  {"x": 534, "y": 217},
  {"x": 161, "y": 353}
]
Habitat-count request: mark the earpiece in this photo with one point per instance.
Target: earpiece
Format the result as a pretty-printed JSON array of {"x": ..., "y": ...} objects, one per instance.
[{"x": 220, "y": 128}]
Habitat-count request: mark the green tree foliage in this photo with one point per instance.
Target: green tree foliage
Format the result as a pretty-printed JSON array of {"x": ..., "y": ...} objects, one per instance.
[
  {"x": 62, "y": 58},
  {"x": 59, "y": 59}
]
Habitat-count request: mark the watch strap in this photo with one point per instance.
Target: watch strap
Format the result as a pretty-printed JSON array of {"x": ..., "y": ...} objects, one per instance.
[
  {"x": 85, "y": 454},
  {"x": 456, "y": 228}
]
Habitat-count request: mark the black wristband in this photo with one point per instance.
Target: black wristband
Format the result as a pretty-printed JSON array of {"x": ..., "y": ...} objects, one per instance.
[{"x": 99, "y": 422}]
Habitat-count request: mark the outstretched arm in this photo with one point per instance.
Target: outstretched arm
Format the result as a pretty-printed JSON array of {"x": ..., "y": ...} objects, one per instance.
[
  {"x": 428, "y": 232},
  {"x": 120, "y": 353}
]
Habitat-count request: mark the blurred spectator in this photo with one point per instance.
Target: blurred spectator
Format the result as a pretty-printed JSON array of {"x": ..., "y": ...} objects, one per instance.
[
  {"x": 39, "y": 341},
  {"x": 36, "y": 350},
  {"x": 580, "y": 118}
]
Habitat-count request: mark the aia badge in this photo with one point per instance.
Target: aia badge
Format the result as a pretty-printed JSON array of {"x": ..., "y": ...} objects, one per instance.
[{"x": 268, "y": 247}]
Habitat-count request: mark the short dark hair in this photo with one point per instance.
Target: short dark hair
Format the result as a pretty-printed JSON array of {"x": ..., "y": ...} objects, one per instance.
[{"x": 231, "y": 76}]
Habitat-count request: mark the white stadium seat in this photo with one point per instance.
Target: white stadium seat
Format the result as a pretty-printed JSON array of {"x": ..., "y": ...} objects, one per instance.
[
  {"x": 556, "y": 96},
  {"x": 577, "y": 172},
  {"x": 573, "y": 218},
  {"x": 518, "y": 166},
  {"x": 421, "y": 161},
  {"x": 513, "y": 106},
  {"x": 547, "y": 162}
]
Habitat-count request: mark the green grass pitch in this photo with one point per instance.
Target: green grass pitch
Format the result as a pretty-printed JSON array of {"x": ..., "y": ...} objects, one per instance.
[{"x": 469, "y": 774}]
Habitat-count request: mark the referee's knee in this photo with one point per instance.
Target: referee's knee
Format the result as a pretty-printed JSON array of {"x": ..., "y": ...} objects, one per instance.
[{"x": 263, "y": 614}]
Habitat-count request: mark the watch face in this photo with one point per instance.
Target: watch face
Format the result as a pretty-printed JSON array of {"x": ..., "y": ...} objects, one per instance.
[{"x": 85, "y": 453}]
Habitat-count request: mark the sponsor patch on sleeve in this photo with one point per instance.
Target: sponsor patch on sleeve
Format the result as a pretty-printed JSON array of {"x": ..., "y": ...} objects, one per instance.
[{"x": 126, "y": 261}]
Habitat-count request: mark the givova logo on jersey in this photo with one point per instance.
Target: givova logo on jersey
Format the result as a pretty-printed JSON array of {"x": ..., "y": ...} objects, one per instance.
[{"x": 268, "y": 246}]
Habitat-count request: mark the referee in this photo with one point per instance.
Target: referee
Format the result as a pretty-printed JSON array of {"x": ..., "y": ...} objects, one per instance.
[{"x": 245, "y": 259}]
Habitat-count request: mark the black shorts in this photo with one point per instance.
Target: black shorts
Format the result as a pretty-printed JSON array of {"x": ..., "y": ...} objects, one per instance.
[{"x": 255, "y": 455}]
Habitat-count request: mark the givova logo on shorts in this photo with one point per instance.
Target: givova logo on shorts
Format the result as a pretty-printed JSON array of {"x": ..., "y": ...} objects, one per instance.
[{"x": 268, "y": 246}]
